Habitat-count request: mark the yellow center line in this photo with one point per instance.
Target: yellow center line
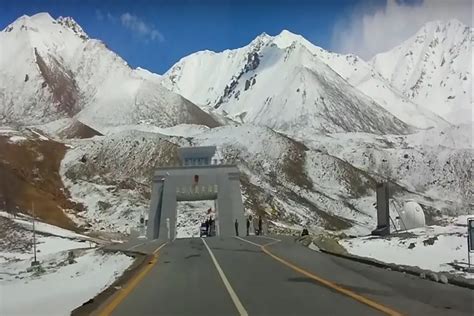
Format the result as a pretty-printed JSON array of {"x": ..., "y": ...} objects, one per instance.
[
  {"x": 384, "y": 309},
  {"x": 159, "y": 248},
  {"x": 353, "y": 295},
  {"x": 130, "y": 286}
]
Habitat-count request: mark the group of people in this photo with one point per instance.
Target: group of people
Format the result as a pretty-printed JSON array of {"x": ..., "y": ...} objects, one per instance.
[
  {"x": 257, "y": 228},
  {"x": 210, "y": 225}
]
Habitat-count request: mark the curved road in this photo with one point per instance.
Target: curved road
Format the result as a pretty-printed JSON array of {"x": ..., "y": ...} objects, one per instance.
[{"x": 230, "y": 276}]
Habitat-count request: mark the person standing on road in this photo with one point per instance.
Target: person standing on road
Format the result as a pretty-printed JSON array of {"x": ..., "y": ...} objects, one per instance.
[
  {"x": 260, "y": 225},
  {"x": 255, "y": 226},
  {"x": 207, "y": 225},
  {"x": 211, "y": 226},
  {"x": 248, "y": 226},
  {"x": 236, "y": 228}
]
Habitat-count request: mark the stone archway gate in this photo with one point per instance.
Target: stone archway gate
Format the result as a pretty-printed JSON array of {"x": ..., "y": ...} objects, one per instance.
[{"x": 196, "y": 179}]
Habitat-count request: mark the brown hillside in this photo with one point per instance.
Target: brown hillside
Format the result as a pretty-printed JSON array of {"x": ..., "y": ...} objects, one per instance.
[{"x": 29, "y": 173}]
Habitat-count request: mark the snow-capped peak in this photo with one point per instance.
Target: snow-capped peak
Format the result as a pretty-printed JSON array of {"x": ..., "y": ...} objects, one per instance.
[
  {"x": 210, "y": 79},
  {"x": 41, "y": 17},
  {"x": 45, "y": 22},
  {"x": 283, "y": 40},
  {"x": 434, "y": 68},
  {"x": 284, "y": 86},
  {"x": 26, "y": 22},
  {"x": 51, "y": 70},
  {"x": 73, "y": 25},
  {"x": 439, "y": 26},
  {"x": 263, "y": 36},
  {"x": 287, "y": 38},
  {"x": 289, "y": 34}
]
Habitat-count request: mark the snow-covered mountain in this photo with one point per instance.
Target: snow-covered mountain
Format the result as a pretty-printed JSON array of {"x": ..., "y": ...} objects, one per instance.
[
  {"x": 433, "y": 68},
  {"x": 361, "y": 75},
  {"x": 51, "y": 69},
  {"x": 287, "y": 83},
  {"x": 311, "y": 131}
]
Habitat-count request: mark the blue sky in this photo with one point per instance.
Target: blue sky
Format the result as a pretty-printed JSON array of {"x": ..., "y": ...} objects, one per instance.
[{"x": 156, "y": 34}]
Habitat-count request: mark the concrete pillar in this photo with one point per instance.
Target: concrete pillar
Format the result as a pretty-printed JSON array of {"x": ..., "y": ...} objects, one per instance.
[
  {"x": 168, "y": 210},
  {"x": 155, "y": 209},
  {"x": 383, "y": 212},
  {"x": 236, "y": 202},
  {"x": 224, "y": 211}
]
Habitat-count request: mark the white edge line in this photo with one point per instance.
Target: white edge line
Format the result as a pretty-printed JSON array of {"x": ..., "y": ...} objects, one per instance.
[
  {"x": 140, "y": 244},
  {"x": 258, "y": 245},
  {"x": 271, "y": 238},
  {"x": 229, "y": 288},
  {"x": 248, "y": 241}
]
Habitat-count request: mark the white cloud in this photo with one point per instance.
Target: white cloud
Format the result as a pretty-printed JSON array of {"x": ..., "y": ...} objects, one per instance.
[
  {"x": 101, "y": 16},
  {"x": 370, "y": 30},
  {"x": 110, "y": 17},
  {"x": 138, "y": 26},
  {"x": 98, "y": 14}
]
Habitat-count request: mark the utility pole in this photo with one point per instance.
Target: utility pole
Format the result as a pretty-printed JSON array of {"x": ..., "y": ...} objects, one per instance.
[
  {"x": 34, "y": 263},
  {"x": 470, "y": 241}
]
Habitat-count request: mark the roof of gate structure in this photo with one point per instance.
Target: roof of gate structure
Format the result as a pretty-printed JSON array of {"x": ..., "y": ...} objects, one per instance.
[{"x": 196, "y": 156}]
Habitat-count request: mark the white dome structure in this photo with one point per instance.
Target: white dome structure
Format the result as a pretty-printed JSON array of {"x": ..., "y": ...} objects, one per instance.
[{"x": 411, "y": 216}]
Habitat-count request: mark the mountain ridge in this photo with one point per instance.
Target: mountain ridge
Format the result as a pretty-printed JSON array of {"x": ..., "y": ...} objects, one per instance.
[
  {"x": 223, "y": 69},
  {"x": 59, "y": 72}
]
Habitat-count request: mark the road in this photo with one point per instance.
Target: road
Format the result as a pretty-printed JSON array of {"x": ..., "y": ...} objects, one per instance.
[{"x": 231, "y": 276}]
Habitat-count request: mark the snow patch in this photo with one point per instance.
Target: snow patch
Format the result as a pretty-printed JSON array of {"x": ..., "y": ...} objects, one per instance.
[
  {"x": 26, "y": 222},
  {"x": 61, "y": 288},
  {"x": 17, "y": 139},
  {"x": 431, "y": 247}
]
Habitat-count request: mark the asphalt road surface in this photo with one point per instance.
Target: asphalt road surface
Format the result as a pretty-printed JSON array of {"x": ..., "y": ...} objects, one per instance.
[{"x": 231, "y": 276}]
